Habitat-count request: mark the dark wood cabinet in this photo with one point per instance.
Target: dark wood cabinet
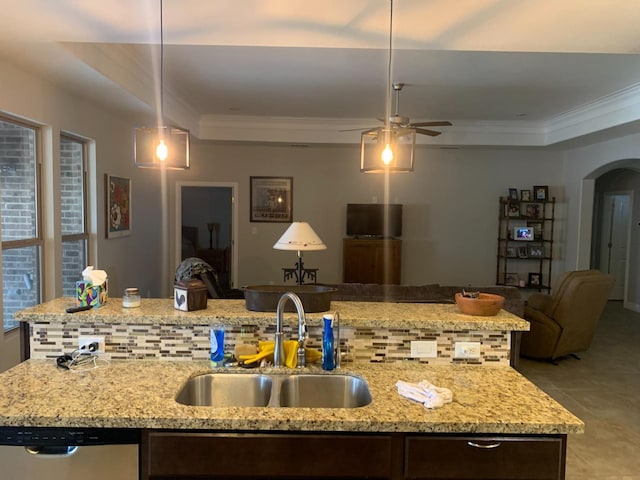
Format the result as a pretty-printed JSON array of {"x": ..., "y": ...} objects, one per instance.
[
  {"x": 372, "y": 260},
  {"x": 177, "y": 455},
  {"x": 483, "y": 458}
]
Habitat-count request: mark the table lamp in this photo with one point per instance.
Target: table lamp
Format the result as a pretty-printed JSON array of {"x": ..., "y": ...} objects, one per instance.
[{"x": 300, "y": 237}]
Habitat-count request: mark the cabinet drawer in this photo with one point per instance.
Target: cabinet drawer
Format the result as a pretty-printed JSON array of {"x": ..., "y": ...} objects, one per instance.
[
  {"x": 247, "y": 455},
  {"x": 484, "y": 457}
]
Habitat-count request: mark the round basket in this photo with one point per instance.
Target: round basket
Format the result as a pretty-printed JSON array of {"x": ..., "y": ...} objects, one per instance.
[{"x": 485, "y": 305}]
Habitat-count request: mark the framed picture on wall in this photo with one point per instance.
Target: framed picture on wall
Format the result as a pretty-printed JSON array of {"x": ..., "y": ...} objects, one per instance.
[
  {"x": 271, "y": 199},
  {"x": 118, "y": 206},
  {"x": 525, "y": 195}
]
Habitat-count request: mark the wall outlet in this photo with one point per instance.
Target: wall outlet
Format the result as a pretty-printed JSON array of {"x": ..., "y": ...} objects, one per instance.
[
  {"x": 467, "y": 350},
  {"x": 424, "y": 349},
  {"x": 85, "y": 342}
]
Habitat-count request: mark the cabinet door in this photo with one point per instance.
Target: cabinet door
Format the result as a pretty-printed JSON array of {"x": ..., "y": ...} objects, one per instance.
[
  {"x": 246, "y": 455},
  {"x": 487, "y": 458},
  {"x": 372, "y": 261}
]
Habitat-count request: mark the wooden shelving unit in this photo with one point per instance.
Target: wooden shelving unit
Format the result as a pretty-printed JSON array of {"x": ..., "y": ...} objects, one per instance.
[{"x": 525, "y": 263}]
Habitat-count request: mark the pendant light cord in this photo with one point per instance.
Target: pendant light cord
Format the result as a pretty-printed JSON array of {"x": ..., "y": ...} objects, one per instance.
[
  {"x": 162, "y": 65},
  {"x": 388, "y": 106}
]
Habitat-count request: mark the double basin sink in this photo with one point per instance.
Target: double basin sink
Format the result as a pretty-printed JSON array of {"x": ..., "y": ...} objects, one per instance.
[{"x": 275, "y": 390}]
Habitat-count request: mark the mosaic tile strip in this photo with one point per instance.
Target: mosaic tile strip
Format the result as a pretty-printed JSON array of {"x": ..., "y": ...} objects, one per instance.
[{"x": 191, "y": 342}]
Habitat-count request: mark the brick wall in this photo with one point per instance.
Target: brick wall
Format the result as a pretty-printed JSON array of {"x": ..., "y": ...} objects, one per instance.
[{"x": 72, "y": 213}]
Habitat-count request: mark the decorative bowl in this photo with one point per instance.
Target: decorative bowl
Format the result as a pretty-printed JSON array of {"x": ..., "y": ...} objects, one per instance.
[
  {"x": 264, "y": 298},
  {"x": 485, "y": 305}
]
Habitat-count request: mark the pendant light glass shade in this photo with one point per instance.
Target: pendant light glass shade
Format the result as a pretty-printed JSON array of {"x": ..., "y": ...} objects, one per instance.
[
  {"x": 148, "y": 143},
  {"x": 387, "y": 150},
  {"x": 162, "y": 146}
]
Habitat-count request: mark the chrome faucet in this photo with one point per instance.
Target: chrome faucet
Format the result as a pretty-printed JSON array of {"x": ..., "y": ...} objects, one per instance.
[{"x": 278, "y": 351}]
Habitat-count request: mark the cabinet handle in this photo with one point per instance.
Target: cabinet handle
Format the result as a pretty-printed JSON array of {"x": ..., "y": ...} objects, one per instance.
[{"x": 485, "y": 446}]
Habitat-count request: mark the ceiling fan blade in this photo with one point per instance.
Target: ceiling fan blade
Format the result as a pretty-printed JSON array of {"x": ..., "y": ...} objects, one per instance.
[
  {"x": 424, "y": 131},
  {"x": 442, "y": 123},
  {"x": 355, "y": 129}
]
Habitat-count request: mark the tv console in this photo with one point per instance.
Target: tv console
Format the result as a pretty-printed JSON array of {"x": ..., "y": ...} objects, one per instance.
[{"x": 372, "y": 260}]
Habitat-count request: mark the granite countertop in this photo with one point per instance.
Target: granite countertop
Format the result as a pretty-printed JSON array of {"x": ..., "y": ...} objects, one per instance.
[
  {"x": 233, "y": 312},
  {"x": 140, "y": 394}
]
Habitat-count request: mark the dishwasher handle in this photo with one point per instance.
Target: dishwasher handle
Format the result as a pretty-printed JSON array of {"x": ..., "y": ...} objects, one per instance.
[{"x": 52, "y": 450}]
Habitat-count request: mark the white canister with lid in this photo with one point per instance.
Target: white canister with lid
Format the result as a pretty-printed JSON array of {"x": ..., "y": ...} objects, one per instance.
[{"x": 131, "y": 298}]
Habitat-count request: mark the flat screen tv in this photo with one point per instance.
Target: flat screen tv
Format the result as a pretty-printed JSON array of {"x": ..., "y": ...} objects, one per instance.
[{"x": 368, "y": 220}]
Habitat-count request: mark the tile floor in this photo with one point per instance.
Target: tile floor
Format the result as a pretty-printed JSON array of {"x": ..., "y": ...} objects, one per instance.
[{"x": 602, "y": 389}]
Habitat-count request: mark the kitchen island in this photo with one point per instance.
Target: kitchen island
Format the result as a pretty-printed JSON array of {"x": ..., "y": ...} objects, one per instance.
[
  {"x": 490, "y": 404},
  {"x": 499, "y": 424}
]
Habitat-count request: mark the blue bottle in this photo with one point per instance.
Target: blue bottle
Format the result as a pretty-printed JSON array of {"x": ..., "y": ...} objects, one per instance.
[{"x": 328, "y": 353}]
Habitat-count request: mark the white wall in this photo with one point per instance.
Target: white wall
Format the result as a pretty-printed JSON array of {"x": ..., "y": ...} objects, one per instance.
[
  {"x": 581, "y": 167},
  {"x": 450, "y": 205}
]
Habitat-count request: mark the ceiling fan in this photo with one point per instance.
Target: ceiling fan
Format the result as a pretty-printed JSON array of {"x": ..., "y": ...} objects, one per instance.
[{"x": 398, "y": 121}]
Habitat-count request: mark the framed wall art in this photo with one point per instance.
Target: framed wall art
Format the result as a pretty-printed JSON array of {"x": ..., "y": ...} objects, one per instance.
[
  {"x": 118, "y": 206},
  {"x": 271, "y": 199}
]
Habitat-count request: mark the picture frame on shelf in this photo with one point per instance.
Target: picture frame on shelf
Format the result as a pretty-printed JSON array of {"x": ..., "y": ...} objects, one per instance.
[
  {"x": 512, "y": 279},
  {"x": 525, "y": 195},
  {"x": 118, "y": 206},
  {"x": 537, "y": 229},
  {"x": 523, "y": 234},
  {"x": 512, "y": 252},
  {"x": 271, "y": 199},
  {"x": 533, "y": 210},
  {"x": 535, "y": 279},
  {"x": 513, "y": 194},
  {"x": 541, "y": 193},
  {"x": 522, "y": 252},
  {"x": 535, "y": 251},
  {"x": 512, "y": 209}
]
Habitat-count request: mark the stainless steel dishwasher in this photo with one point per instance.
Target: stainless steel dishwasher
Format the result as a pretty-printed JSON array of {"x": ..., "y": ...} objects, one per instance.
[{"x": 68, "y": 453}]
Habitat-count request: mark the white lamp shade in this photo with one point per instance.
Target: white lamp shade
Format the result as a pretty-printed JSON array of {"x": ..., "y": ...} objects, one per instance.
[{"x": 300, "y": 236}]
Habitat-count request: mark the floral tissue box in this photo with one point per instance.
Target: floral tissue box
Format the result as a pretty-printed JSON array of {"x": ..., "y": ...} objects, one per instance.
[{"x": 89, "y": 294}]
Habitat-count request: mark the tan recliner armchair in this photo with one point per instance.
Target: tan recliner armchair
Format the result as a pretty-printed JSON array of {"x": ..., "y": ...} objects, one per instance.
[{"x": 564, "y": 323}]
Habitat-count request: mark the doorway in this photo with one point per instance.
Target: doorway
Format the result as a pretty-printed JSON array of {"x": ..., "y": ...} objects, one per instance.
[
  {"x": 613, "y": 241},
  {"x": 206, "y": 226}
]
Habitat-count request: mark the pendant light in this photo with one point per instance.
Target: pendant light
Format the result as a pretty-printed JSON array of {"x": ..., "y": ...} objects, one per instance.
[
  {"x": 162, "y": 146},
  {"x": 389, "y": 148}
]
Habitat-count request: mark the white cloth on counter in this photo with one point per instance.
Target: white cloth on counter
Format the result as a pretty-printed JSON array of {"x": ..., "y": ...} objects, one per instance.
[{"x": 426, "y": 393}]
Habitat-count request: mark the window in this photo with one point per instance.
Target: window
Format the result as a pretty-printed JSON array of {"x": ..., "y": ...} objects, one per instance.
[
  {"x": 73, "y": 204},
  {"x": 20, "y": 215}
]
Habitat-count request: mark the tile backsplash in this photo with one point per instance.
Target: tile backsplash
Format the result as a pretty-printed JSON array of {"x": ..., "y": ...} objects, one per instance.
[{"x": 175, "y": 342}]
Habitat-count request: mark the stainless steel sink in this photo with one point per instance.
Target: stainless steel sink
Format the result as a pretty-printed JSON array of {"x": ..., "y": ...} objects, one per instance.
[
  {"x": 226, "y": 390},
  {"x": 261, "y": 390},
  {"x": 324, "y": 391}
]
